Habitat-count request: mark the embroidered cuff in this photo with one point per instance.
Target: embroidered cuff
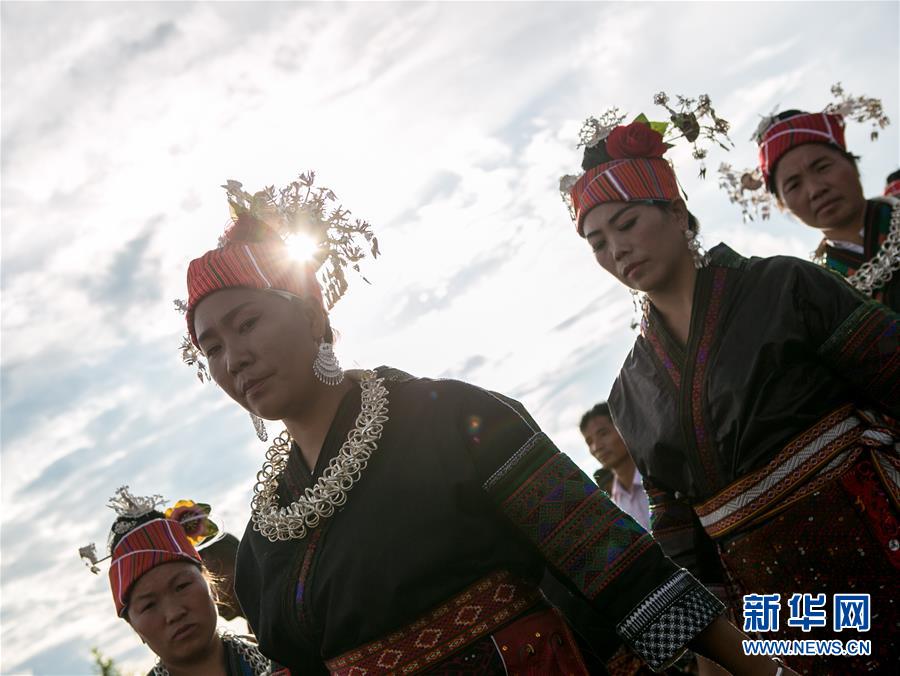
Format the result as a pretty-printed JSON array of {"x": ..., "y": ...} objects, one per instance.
[{"x": 660, "y": 626}]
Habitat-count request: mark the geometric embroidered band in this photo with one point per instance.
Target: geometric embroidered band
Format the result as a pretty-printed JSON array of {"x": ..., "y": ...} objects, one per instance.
[
  {"x": 670, "y": 616},
  {"x": 798, "y": 130},
  {"x": 265, "y": 264},
  {"x": 816, "y": 456},
  {"x": 623, "y": 180},
  {"x": 149, "y": 545},
  {"x": 560, "y": 510},
  {"x": 469, "y": 616}
]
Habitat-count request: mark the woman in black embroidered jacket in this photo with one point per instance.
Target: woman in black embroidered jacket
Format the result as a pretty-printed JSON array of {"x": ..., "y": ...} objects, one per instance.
[
  {"x": 401, "y": 525},
  {"x": 756, "y": 402}
]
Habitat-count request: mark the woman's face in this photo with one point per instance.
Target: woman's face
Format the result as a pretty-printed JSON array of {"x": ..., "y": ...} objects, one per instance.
[
  {"x": 641, "y": 245},
  {"x": 260, "y": 348},
  {"x": 820, "y": 186},
  {"x": 171, "y": 609}
]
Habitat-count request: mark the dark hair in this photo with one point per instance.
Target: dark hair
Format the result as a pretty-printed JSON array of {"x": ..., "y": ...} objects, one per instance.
[
  {"x": 601, "y": 409},
  {"x": 595, "y": 155},
  {"x": 223, "y": 550},
  {"x": 786, "y": 114},
  {"x": 895, "y": 176},
  {"x": 329, "y": 334},
  {"x": 124, "y": 525}
]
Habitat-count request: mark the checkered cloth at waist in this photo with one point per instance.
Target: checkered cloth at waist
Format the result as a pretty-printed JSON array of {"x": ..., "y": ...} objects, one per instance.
[
  {"x": 467, "y": 617},
  {"x": 818, "y": 455}
]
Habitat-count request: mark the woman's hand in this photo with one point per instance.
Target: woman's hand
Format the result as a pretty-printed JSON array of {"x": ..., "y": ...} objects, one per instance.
[{"x": 721, "y": 642}]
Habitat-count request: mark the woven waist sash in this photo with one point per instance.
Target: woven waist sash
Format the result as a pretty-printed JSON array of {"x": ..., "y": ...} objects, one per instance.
[
  {"x": 823, "y": 452},
  {"x": 470, "y": 615}
]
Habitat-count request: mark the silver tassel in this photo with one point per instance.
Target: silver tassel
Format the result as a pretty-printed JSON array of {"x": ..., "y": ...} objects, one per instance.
[
  {"x": 326, "y": 366},
  {"x": 260, "y": 427}
]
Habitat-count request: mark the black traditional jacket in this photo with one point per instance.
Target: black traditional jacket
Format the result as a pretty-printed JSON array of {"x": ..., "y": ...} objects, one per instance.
[
  {"x": 462, "y": 484},
  {"x": 875, "y": 232},
  {"x": 775, "y": 346}
]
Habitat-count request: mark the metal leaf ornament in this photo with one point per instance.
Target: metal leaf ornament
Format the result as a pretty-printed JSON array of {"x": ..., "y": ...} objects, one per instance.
[
  {"x": 696, "y": 121},
  {"x": 745, "y": 188},
  {"x": 300, "y": 208},
  {"x": 858, "y": 109}
]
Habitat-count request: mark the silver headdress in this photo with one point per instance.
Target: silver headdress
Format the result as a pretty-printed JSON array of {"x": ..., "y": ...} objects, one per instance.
[
  {"x": 129, "y": 509},
  {"x": 302, "y": 209},
  {"x": 746, "y": 187},
  {"x": 692, "y": 119}
]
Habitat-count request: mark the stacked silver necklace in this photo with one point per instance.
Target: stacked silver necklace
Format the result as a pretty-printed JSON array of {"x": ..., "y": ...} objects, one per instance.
[
  {"x": 330, "y": 492},
  {"x": 248, "y": 651},
  {"x": 878, "y": 271}
]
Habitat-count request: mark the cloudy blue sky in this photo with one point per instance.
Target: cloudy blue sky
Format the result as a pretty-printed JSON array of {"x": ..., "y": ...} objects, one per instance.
[{"x": 445, "y": 125}]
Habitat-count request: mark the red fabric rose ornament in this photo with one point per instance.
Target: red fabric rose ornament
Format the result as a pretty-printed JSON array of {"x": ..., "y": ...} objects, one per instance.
[{"x": 635, "y": 140}]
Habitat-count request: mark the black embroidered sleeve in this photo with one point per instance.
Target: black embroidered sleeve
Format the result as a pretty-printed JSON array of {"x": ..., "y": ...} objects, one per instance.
[
  {"x": 660, "y": 626},
  {"x": 596, "y": 550}
]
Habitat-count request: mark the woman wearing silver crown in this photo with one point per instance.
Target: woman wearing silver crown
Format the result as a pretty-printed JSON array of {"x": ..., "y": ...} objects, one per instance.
[
  {"x": 162, "y": 589},
  {"x": 758, "y": 401},
  {"x": 804, "y": 164},
  {"x": 400, "y": 524}
]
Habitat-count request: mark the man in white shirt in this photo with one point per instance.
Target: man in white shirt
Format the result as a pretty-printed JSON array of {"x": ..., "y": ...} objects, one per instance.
[{"x": 607, "y": 447}]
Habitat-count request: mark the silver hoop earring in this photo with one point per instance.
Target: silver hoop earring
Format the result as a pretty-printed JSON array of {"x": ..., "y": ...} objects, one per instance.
[
  {"x": 701, "y": 258},
  {"x": 260, "y": 427},
  {"x": 326, "y": 366}
]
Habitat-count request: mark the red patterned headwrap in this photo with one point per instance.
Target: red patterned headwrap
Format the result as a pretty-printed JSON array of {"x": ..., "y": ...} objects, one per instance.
[
  {"x": 252, "y": 256},
  {"x": 623, "y": 180},
  {"x": 798, "y": 130},
  {"x": 892, "y": 189},
  {"x": 149, "y": 545}
]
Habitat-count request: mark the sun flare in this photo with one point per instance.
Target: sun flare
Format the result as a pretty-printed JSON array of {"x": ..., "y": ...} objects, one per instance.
[{"x": 301, "y": 247}]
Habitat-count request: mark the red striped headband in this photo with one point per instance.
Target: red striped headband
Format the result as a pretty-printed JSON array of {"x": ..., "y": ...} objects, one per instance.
[
  {"x": 623, "y": 180},
  {"x": 251, "y": 264},
  {"x": 149, "y": 545},
  {"x": 798, "y": 130}
]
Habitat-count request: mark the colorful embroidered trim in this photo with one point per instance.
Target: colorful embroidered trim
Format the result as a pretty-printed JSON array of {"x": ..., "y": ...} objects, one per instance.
[
  {"x": 149, "y": 545},
  {"x": 665, "y": 359},
  {"x": 625, "y": 180},
  {"x": 254, "y": 265},
  {"x": 888, "y": 467},
  {"x": 820, "y": 453},
  {"x": 660, "y": 626},
  {"x": 875, "y": 232},
  {"x": 798, "y": 130},
  {"x": 572, "y": 522},
  {"x": 476, "y": 612},
  {"x": 867, "y": 344},
  {"x": 699, "y": 363}
]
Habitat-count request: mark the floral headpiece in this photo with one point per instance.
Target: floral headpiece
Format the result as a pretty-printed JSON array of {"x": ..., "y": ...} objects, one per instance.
[
  {"x": 254, "y": 251},
  {"x": 752, "y": 189},
  {"x": 194, "y": 518},
  {"x": 131, "y": 511},
  {"x": 626, "y": 161}
]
